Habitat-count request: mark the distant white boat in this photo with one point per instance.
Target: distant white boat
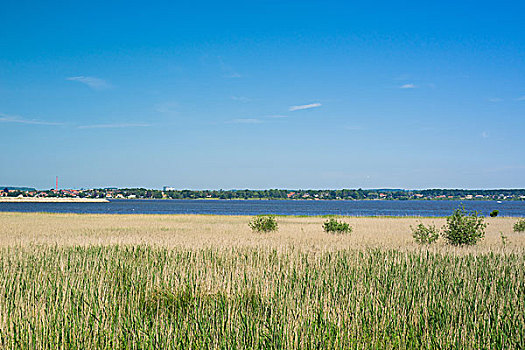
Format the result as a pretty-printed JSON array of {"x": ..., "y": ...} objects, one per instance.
[{"x": 498, "y": 202}]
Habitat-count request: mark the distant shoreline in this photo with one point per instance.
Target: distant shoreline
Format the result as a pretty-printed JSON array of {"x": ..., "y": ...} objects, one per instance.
[
  {"x": 107, "y": 200},
  {"x": 323, "y": 199},
  {"x": 51, "y": 200}
]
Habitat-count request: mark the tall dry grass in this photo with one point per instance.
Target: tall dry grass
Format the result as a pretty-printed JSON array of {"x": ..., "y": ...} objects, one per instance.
[
  {"x": 201, "y": 231},
  {"x": 193, "y": 282}
]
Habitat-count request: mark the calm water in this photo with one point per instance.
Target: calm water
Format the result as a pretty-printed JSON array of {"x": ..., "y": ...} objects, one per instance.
[{"x": 295, "y": 207}]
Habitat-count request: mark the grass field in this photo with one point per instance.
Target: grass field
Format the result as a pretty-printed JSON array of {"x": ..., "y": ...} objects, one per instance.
[{"x": 140, "y": 281}]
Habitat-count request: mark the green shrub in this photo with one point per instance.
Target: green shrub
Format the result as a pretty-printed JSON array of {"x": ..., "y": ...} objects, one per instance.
[
  {"x": 334, "y": 226},
  {"x": 519, "y": 226},
  {"x": 494, "y": 213},
  {"x": 263, "y": 223},
  {"x": 425, "y": 234},
  {"x": 464, "y": 228}
]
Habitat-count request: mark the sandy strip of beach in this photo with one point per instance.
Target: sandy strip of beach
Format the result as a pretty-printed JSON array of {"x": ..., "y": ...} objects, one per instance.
[{"x": 51, "y": 200}]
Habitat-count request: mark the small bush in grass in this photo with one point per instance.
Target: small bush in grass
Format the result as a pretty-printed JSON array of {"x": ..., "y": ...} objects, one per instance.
[
  {"x": 464, "y": 228},
  {"x": 334, "y": 226},
  {"x": 494, "y": 213},
  {"x": 425, "y": 234},
  {"x": 519, "y": 226},
  {"x": 263, "y": 223}
]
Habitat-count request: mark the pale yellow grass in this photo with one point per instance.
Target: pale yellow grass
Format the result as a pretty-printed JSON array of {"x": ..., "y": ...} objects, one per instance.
[{"x": 201, "y": 231}]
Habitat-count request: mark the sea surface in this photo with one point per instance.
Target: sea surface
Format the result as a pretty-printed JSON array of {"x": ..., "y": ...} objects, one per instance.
[{"x": 279, "y": 207}]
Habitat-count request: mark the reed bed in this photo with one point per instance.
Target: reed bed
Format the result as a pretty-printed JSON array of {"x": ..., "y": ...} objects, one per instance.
[
  {"x": 104, "y": 286},
  {"x": 210, "y": 231}
]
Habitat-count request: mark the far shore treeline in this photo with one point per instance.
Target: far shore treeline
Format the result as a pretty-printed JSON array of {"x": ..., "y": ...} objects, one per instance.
[{"x": 343, "y": 194}]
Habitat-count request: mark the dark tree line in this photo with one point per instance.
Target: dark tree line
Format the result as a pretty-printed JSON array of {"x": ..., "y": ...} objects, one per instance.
[{"x": 342, "y": 194}]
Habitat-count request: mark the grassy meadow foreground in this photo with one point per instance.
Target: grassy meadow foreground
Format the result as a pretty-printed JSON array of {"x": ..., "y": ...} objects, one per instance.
[{"x": 181, "y": 281}]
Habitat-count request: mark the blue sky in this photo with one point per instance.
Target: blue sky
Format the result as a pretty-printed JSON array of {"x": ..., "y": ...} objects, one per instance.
[{"x": 262, "y": 94}]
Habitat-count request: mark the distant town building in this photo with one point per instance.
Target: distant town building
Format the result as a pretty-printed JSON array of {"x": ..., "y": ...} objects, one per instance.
[{"x": 168, "y": 188}]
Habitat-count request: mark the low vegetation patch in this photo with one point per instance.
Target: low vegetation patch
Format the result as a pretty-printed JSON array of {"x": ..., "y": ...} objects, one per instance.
[
  {"x": 519, "y": 226},
  {"x": 334, "y": 226},
  {"x": 494, "y": 213},
  {"x": 464, "y": 228},
  {"x": 425, "y": 234},
  {"x": 163, "y": 300},
  {"x": 186, "y": 302},
  {"x": 264, "y": 223}
]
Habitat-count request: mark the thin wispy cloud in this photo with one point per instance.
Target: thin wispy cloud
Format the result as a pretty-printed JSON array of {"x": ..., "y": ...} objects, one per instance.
[
  {"x": 485, "y": 134},
  {"x": 246, "y": 121},
  {"x": 241, "y": 99},
  {"x": 92, "y": 82},
  {"x": 522, "y": 98},
  {"x": 301, "y": 107},
  {"x": 258, "y": 120},
  {"x": 5, "y": 118},
  {"x": 232, "y": 75},
  {"x": 353, "y": 127},
  {"x": 114, "y": 126},
  {"x": 407, "y": 86},
  {"x": 495, "y": 99}
]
